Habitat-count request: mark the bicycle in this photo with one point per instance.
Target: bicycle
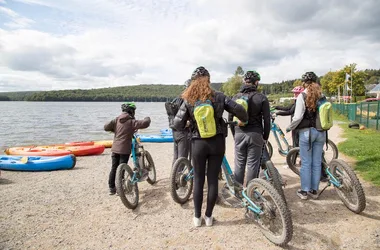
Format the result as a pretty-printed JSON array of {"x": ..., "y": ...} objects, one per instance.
[
  {"x": 127, "y": 179},
  {"x": 181, "y": 176},
  {"x": 284, "y": 147},
  {"x": 263, "y": 202},
  {"x": 341, "y": 176}
]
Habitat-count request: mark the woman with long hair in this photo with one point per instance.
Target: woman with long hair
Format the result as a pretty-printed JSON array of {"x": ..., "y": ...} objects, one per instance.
[
  {"x": 207, "y": 152},
  {"x": 310, "y": 139}
]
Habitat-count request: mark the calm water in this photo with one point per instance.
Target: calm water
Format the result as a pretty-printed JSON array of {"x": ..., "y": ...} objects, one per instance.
[{"x": 41, "y": 123}]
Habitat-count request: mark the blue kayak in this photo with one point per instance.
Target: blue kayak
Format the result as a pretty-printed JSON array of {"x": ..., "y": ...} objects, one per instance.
[
  {"x": 166, "y": 131},
  {"x": 155, "y": 138},
  {"x": 36, "y": 163}
]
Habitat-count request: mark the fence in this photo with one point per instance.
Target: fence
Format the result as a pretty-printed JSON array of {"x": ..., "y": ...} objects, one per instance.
[{"x": 366, "y": 113}]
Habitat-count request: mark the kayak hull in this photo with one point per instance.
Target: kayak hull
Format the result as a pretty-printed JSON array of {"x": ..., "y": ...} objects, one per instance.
[
  {"x": 37, "y": 163},
  {"x": 106, "y": 144},
  {"x": 156, "y": 138},
  {"x": 36, "y": 151}
]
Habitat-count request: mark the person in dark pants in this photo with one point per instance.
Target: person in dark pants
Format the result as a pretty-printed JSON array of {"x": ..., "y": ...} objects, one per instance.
[
  {"x": 285, "y": 111},
  {"x": 207, "y": 152},
  {"x": 250, "y": 137},
  {"x": 124, "y": 126},
  {"x": 181, "y": 137}
]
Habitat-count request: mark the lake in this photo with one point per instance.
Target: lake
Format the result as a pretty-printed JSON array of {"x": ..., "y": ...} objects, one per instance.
[{"x": 41, "y": 123}]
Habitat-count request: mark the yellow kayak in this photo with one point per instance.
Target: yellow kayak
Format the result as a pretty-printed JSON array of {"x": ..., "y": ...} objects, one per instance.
[{"x": 107, "y": 144}]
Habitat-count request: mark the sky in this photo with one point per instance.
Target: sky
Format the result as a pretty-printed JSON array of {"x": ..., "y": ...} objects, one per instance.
[{"x": 70, "y": 44}]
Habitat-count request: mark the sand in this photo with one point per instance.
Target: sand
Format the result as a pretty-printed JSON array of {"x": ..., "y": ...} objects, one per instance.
[{"x": 72, "y": 210}]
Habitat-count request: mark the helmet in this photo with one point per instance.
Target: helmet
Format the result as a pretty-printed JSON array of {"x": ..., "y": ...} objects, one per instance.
[
  {"x": 128, "y": 107},
  {"x": 309, "y": 77},
  {"x": 297, "y": 90},
  {"x": 198, "y": 72},
  {"x": 187, "y": 83},
  {"x": 251, "y": 76}
]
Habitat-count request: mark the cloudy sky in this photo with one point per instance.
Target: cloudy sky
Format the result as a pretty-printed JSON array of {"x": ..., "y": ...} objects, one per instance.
[{"x": 65, "y": 44}]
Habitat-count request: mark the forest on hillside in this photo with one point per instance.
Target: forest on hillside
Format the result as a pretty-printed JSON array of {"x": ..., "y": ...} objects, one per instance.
[{"x": 331, "y": 81}]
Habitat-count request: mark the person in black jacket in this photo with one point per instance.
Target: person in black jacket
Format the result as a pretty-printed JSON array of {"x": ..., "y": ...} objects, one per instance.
[
  {"x": 206, "y": 151},
  {"x": 250, "y": 138},
  {"x": 285, "y": 111},
  {"x": 181, "y": 136}
]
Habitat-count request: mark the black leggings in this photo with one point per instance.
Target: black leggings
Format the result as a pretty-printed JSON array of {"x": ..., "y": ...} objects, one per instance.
[
  {"x": 117, "y": 159},
  {"x": 210, "y": 150}
]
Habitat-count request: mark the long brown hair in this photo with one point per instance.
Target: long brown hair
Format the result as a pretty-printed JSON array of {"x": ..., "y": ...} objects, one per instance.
[
  {"x": 312, "y": 96},
  {"x": 199, "y": 89}
]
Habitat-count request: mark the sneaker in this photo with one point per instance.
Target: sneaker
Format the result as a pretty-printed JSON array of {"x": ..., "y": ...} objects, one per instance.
[
  {"x": 197, "y": 221},
  {"x": 302, "y": 194},
  {"x": 112, "y": 191},
  {"x": 324, "y": 179},
  {"x": 314, "y": 194},
  {"x": 209, "y": 221}
]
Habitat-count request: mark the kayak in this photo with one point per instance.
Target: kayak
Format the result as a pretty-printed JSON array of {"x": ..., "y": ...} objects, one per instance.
[
  {"x": 36, "y": 151},
  {"x": 166, "y": 131},
  {"x": 107, "y": 144},
  {"x": 55, "y": 150},
  {"x": 155, "y": 138},
  {"x": 78, "y": 150},
  {"x": 80, "y": 143},
  {"x": 36, "y": 163}
]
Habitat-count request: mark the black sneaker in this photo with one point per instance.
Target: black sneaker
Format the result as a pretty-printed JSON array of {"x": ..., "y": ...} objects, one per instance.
[
  {"x": 302, "y": 194},
  {"x": 324, "y": 179},
  {"x": 112, "y": 191},
  {"x": 314, "y": 194}
]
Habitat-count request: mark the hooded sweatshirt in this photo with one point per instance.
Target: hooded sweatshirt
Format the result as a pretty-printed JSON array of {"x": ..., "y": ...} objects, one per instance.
[{"x": 124, "y": 126}]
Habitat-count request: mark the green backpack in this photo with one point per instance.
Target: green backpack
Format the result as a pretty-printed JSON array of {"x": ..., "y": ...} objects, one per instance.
[
  {"x": 243, "y": 101},
  {"x": 324, "y": 119},
  {"x": 204, "y": 116}
]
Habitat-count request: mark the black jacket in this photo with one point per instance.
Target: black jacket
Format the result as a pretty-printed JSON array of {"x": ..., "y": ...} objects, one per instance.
[
  {"x": 258, "y": 112},
  {"x": 220, "y": 103},
  {"x": 285, "y": 111}
]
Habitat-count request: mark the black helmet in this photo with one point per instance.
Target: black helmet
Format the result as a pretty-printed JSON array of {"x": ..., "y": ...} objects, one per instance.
[
  {"x": 129, "y": 107},
  {"x": 198, "y": 72},
  {"x": 309, "y": 77},
  {"x": 187, "y": 83},
  {"x": 251, "y": 76}
]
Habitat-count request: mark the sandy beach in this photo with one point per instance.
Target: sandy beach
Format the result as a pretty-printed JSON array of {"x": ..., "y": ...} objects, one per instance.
[{"x": 72, "y": 210}]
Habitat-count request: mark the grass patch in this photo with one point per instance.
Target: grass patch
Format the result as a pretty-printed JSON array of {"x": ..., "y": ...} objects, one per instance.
[{"x": 364, "y": 146}]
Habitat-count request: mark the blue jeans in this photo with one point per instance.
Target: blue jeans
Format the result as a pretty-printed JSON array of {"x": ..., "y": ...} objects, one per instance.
[{"x": 311, "y": 160}]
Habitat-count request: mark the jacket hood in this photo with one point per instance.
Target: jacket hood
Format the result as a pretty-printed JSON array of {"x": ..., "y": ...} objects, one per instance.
[
  {"x": 248, "y": 88},
  {"x": 124, "y": 117}
]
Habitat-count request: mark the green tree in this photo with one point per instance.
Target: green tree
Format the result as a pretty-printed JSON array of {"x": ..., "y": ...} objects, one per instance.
[
  {"x": 336, "y": 79},
  {"x": 232, "y": 86},
  {"x": 297, "y": 82},
  {"x": 239, "y": 71}
]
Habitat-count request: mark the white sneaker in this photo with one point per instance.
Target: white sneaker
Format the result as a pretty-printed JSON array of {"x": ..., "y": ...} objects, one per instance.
[
  {"x": 209, "y": 221},
  {"x": 197, "y": 221}
]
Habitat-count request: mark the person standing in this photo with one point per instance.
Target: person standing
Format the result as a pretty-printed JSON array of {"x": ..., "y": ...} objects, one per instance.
[
  {"x": 181, "y": 137},
  {"x": 250, "y": 137},
  {"x": 204, "y": 107},
  {"x": 310, "y": 139}
]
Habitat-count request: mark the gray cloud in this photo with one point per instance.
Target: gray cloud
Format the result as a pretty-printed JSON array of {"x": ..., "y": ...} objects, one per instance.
[{"x": 142, "y": 41}]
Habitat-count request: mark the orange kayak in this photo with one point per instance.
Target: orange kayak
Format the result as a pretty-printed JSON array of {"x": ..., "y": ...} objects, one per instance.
[
  {"x": 107, "y": 144},
  {"x": 80, "y": 143},
  {"x": 78, "y": 150},
  {"x": 35, "y": 151}
]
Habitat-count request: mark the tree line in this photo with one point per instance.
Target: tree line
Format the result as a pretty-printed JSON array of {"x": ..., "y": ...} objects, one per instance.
[{"x": 331, "y": 81}]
